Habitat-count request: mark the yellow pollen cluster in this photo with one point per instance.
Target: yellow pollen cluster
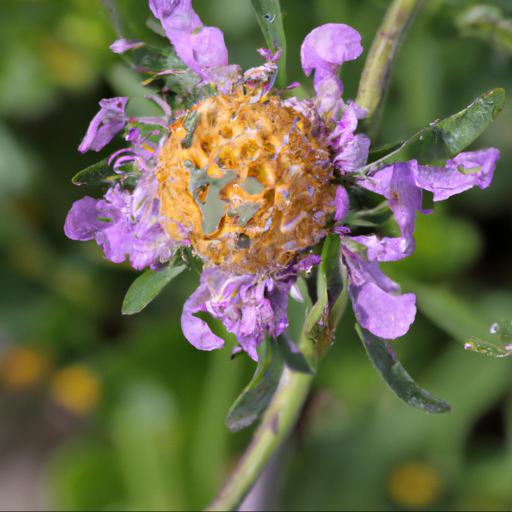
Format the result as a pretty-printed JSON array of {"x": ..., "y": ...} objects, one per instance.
[{"x": 246, "y": 181}]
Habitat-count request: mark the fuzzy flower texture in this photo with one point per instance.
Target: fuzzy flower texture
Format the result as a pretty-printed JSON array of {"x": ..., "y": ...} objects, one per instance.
[{"x": 250, "y": 182}]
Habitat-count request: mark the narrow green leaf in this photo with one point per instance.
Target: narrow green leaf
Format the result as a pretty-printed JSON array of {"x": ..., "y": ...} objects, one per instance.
[
  {"x": 396, "y": 377},
  {"x": 147, "y": 286},
  {"x": 340, "y": 304},
  {"x": 458, "y": 319},
  {"x": 464, "y": 127},
  {"x": 96, "y": 174},
  {"x": 320, "y": 323},
  {"x": 488, "y": 23},
  {"x": 444, "y": 139},
  {"x": 381, "y": 151},
  {"x": 270, "y": 20},
  {"x": 258, "y": 393}
]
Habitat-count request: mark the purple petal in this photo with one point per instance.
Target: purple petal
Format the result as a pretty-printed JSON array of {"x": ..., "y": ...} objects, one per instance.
[
  {"x": 386, "y": 248},
  {"x": 311, "y": 260},
  {"x": 249, "y": 306},
  {"x": 342, "y": 203},
  {"x": 402, "y": 184},
  {"x": 353, "y": 154},
  {"x": 209, "y": 49},
  {"x": 122, "y": 45},
  {"x": 201, "y": 48},
  {"x": 267, "y": 54},
  {"x": 324, "y": 50},
  {"x": 106, "y": 124},
  {"x": 82, "y": 220},
  {"x": 351, "y": 151},
  {"x": 465, "y": 171},
  {"x": 376, "y": 299},
  {"x": 396, "y": 183},
  {"x": 124, "y": 224},
  {"x": 196, "y": 330},
  {"x": 175, "y": 15},
  {"x": 385, "y": 315}
]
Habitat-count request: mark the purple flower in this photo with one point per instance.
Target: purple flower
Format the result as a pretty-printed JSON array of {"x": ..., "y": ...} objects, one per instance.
[
  {"x": 131, "y": 222},
  {"x": 123, "y": 224},
  {"x": 106, "y": 124},
  {"x": 249, "y": 306}
]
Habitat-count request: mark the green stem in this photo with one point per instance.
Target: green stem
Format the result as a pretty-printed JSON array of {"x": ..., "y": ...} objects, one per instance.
[
  {"x": 279, "y": 419},
  {"x": 377, "y": 68},
  {"x": 270, "y": 20}
]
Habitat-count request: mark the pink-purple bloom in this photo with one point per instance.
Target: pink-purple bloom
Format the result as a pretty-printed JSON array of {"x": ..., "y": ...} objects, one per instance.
[
  {"x": 127, "y": 222},
  {"x": 106, "y": 124}
]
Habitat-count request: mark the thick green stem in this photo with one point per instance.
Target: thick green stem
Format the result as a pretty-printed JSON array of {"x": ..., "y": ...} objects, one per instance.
[
  {"x": 377, "y": 68},
  {"x": 270, "y": 20},
  {"x": 279, "y": 419}
]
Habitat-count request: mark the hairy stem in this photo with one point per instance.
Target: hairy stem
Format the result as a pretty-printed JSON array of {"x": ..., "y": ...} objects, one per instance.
[
  {"x": 279, "y": 419},
  {"x": 377, "y": 68}
]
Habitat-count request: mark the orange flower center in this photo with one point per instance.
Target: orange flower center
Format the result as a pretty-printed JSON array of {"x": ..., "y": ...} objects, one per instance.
[{"x": 246, "y": 181}]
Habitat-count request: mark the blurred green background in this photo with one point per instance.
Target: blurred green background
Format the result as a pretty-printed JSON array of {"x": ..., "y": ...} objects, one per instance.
[{"x": 104, "y": 412}]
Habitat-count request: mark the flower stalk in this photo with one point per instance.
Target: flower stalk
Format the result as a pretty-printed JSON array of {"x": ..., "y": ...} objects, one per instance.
[
  {"x": 278, "y": 420},
  {"x": 377, "y": 69}
]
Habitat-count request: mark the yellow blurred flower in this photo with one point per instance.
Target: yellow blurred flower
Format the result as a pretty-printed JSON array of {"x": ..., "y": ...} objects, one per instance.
[
  {"x": 75, "y": 388},
  {"x": 414, "y": 485},
  {"x": 21, "y": 367}
]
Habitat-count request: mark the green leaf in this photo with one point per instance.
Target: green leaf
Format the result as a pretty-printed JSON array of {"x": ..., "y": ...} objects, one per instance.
[
  {"x": 96, "y": 174},
  {"x": 147, "y": 286},
  {"x": 487, "y": 23},
  {"x": 320, "y": 324},
  {"x": 382, "y": 151},
  {"x": 396, "y": 376},
  {"x": 444, "y": 139},
  {"x": 270, "y": 20},
  {"x": 458, "y": 319},
  {"x": 258, "y": 393}
]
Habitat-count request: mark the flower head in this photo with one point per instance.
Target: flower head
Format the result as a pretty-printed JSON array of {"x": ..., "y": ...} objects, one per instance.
[{"x": 251, "y": 182}]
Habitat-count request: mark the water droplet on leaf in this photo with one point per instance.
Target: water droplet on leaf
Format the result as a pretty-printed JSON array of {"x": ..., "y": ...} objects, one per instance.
[{"x": 501, "y": 344}]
